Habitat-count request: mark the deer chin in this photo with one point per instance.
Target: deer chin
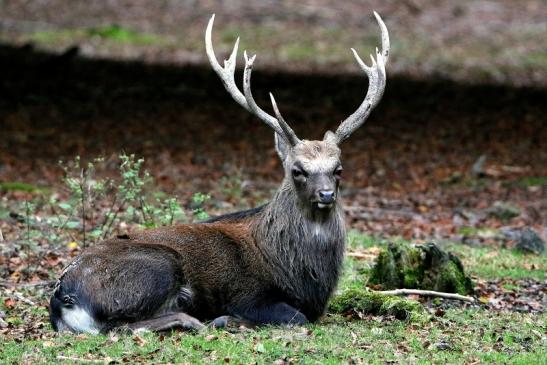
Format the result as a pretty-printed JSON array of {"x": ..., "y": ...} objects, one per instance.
[{"x": 324, "y": 206}]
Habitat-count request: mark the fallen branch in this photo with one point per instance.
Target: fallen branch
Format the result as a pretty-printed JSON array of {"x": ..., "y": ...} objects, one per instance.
[
  {"x": 79, "y": 359},
  {"x": 20, "y": 297},
  {"x": 9, "y": 284},
  {"x": 361, "y": 212},
  {"x": 360, "y": 255},
  {"x": 429, "y": 293}
]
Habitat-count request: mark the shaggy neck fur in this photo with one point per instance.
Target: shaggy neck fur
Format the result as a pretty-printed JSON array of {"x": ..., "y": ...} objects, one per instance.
[{"x": 303, "y": 247}]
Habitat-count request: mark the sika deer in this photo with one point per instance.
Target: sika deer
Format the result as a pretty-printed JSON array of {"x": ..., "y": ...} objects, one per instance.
[{"x": 276, "y": 264}]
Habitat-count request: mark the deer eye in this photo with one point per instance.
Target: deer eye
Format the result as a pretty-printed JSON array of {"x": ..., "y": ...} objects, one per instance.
[
  {"x": 338, "y": 171},
  {"x": 299, "y": 173}
]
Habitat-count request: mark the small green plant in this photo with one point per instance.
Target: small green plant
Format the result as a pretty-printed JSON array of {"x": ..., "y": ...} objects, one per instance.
[
  {"x": 232, "y": 186},
  {"x": 89, "y": 209},
  {"x": 128, "y": 199},
  {"x": 131, "y": 189},
  {"x": 85, "y": 190},
  {"x": 198, "y": 200}
]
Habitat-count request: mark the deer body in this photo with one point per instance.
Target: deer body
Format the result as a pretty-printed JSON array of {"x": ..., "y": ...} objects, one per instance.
[{"x": 277, "y": 264}]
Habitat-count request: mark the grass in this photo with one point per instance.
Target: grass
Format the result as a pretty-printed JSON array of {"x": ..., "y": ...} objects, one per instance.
[
  {"x": 483, "y": 232},
  {"x": 489, "y": 263},
  {"x": 325, "y": 46},
  {"x": 110, "y": 33},
  {"x": 19, "y": 186},
  {"x": 483, "y": 262},
  {"x": 533, "y": 180},
  {"x": 459, "y": 336}
]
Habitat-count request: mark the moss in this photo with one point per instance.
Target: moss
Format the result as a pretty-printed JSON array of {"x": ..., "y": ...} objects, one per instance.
[
  {"x": 18, "y": 186},
  {"x": 371, "y": 303},
  {"x": 402, "y": 265},
  {"x": 533, "y": 181}
]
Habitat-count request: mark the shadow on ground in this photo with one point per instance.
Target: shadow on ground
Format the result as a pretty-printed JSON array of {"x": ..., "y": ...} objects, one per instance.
[{"x": 422, "y": 136}]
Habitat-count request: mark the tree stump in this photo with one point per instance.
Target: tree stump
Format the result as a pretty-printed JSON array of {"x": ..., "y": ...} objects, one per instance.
[{"x": 424, "y": 267}]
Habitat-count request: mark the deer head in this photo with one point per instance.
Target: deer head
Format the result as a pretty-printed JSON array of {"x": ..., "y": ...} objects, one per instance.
[{"x": 313, "y": 167}]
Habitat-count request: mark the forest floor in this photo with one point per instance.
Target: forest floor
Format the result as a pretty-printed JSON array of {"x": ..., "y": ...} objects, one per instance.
[
  {"x": 475, "y": 41},
  {"x": 414, "y": 171}
]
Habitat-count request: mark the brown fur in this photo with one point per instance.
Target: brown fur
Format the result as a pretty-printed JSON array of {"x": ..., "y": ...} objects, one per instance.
[
  {"x": 287, "y": 252},
  {"x": 277, "y": 264}
]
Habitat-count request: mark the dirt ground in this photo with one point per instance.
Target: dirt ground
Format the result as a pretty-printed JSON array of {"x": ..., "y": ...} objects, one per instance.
[
  {"x": 455, "y": 153},
  {"x": 408, "y": 170}
]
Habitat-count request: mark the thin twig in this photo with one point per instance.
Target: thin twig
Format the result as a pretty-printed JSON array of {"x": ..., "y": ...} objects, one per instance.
[
  {"x": 429, "y": 293},
  {"x": 142, "y": 206},
  {"x": 83, "y": 177},
  {"x": 1, "y": 236},
  {"x": 360, "y": 212},
  {"x": 105, "y": 233},
  {"x": 28, "y": 237},
  {"x": 108, "y": 214},
  {"x": 171, "y": 212},
  {"x": 68, "y": 216}
]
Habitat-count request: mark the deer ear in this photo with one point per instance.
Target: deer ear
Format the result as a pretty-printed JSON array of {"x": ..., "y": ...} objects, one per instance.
[
  {"x": 330, "y": 137},
  {"x": 281, "y": 147}
]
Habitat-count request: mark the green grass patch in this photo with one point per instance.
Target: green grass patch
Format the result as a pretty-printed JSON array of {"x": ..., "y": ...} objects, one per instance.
[
  {"x": 19, "y": 186},
  {"x": 483, "y": 232},
  {"x": 482, "y": 262},
  {"x": 123, "y": 35},
  {"x": 109, "y": 33},
  {"x": 461, "y": 336},
  {"x": 498, "y": 263},
  {"x": 533, "y": 180},
  {"x": 357, "y": 239}
]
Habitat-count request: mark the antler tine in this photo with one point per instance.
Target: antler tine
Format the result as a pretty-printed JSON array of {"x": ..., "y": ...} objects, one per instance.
[
  {"x": 286, "y": 128},
  {"x": 376, "y": 74},
  {"x": 385, "y": 37},
  {"x": 278, "y": 124},
  {"x": 244, "y": 99},
  {"x": 225, "y": 73}
]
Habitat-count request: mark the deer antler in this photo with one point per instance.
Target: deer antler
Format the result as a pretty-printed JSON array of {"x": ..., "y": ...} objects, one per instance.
[
  {"x": 376, "y": 84},
  {"x": 246, "y": 100}
]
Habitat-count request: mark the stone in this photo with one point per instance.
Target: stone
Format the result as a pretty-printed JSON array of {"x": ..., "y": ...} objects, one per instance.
[
  {"x": 529, "y": 241},
  {"x": 503, "y": 210}
]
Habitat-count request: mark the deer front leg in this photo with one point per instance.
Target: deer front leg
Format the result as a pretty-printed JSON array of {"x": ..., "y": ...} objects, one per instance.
[
  {"x": 231, "y": 323},
  {"x": 277, "y": 313},
  {"x": 167, "y": 322}
]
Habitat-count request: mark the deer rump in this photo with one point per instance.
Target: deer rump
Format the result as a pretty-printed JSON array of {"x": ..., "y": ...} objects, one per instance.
[
  {"x": 181, "y": 274},
  {"x": 277, "y": 264}
]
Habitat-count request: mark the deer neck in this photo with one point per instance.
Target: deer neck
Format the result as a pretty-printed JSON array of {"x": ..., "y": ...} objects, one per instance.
[{"x": 304, "y": 248}]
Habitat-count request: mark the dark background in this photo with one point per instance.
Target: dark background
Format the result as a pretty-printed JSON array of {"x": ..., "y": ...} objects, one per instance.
[{"x": 465, "y": 79}]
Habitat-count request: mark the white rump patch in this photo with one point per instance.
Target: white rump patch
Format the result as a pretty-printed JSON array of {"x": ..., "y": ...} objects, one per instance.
[{"x": 78, "y": 320}]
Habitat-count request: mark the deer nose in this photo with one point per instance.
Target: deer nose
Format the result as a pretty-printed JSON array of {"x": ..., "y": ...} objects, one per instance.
[{"x": 326, "y": 196}]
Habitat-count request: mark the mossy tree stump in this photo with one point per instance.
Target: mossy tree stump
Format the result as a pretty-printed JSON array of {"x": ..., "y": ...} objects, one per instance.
[
  {"x": 369, "y": 302},
  {"x": 424, "y": 267}
]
